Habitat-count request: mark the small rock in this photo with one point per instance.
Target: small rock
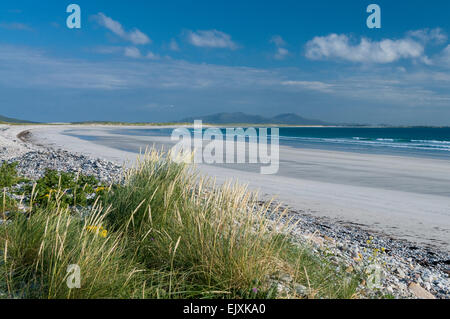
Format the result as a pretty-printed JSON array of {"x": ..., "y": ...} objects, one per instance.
[
  {"x": 401, "y": 274},
  {"x": 301, "y": 290},
  {"x": 286, "y": 278},
  {"x": 282, "y": 289}
]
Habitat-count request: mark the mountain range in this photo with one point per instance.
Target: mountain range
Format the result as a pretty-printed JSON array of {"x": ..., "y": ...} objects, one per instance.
[
  {"x": 239, "y": 117},
  {"x": 5, "y": 119}
]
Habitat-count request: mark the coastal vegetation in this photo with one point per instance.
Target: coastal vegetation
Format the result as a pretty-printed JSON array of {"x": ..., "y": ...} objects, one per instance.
[{"x": 163, "y": 232}]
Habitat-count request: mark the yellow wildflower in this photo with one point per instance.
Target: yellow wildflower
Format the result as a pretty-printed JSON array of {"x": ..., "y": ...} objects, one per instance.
[
  {"x": 91, "y": 228},
  {"x": 359, "y": 258},
  {"x": 102, "y": 232}
]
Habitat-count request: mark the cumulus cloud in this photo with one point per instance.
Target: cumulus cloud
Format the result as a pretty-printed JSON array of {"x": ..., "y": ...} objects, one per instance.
[
  {"x": 436, "y": 35},
  {"x": 211, "y": 39},
  {"x": 341, "y": 47},
  {"x": 134, "y": 36}
]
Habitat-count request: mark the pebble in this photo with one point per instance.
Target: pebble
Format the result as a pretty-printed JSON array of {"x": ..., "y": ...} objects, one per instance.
[
  {"x": 402, "y": 262},
  {"x": 301, "y": 290},
  {"x": 33, "y": 165}
]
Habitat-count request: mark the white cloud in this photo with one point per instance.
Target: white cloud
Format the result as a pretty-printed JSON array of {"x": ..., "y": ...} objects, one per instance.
[
  {"x": 211, "y": 39},
  {"x": 134, "y": 36},
  {"x": 278, "y": 40},
  {"x": 310, "y": 85},
  {"x": 335, "y": 46},
  {"x": 152, "y": 56},
  {"x": 133, "y": 52},
  {"x": 426, "y": 35},
  {"x": 281, "y": 51},
  {"x": 29, "y": 68},
  {"x": 25, "y": 68},
  {"x": 446, "y": 53},
  {"x": 444, "y": 57},
  {"x": 15, "y": 26}
]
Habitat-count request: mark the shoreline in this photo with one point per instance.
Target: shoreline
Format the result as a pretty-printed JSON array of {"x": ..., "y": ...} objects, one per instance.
[
  {"x": 410, "y": 262},
  {"x": 404, "y": 197}
]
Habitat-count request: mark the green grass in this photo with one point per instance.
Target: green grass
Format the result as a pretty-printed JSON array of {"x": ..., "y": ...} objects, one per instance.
[
  {"x": 62, "y": 188},
  {"x": 6, "y": 204},
  {"x": 170, "y": 234},
  {"x": 8, "y": 175}
]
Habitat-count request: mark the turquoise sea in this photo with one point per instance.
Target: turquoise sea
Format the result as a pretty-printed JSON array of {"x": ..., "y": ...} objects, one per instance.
[{"x": 406, "y": 141}]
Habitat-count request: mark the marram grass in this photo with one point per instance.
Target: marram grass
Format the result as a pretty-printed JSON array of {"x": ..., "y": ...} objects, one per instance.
[{"x": 163, "y": 233}]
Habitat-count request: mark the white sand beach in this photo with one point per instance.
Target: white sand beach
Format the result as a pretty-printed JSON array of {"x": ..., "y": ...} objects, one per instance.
[{"x": 403, "y": 197}]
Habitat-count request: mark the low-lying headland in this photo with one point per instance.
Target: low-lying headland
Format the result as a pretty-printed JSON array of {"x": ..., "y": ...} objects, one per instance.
[{"x": 155, "y": 230}]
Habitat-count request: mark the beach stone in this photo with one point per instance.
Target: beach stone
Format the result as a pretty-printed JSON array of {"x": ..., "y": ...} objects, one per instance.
[
  {"x": 282, "y": 289},
  {"x": 301, "y": 290},
  {"x": 390, "y": 289},
  {"x": 420, "y": 292},
  {"x": 316, "y": 240},
  {"x": 401, "y": 274},
  {"x": 286, "y": 278}
]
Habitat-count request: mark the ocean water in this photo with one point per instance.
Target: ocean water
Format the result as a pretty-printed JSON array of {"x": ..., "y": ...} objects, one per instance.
[{"x": 409, "y": 141}]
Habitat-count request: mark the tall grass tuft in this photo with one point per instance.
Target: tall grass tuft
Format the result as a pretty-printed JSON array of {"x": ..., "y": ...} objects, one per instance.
[
  {"x": 38, "y": 250},
  {"x": 165, "y": 232}
]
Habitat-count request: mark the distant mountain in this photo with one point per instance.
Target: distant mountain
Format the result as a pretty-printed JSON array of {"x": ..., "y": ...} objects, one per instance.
[
  {"x": 11, "y": 120},
  {"x": 241, "y": 118}
]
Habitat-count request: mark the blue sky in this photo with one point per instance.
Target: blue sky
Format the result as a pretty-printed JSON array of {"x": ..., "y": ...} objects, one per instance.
[{"x": 162, "y": 61}]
